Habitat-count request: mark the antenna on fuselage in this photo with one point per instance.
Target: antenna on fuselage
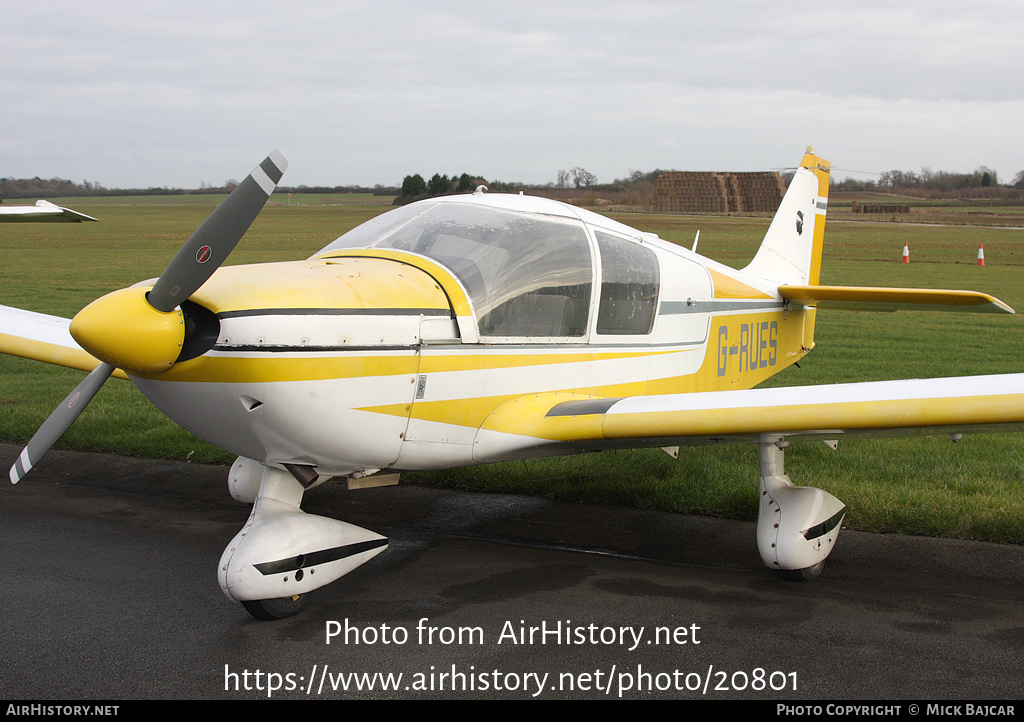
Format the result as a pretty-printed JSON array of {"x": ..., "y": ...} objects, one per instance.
[{"x": 695, "y": 239}]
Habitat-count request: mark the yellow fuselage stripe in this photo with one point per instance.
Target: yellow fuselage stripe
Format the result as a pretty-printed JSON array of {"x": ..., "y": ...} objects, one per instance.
[{"x": 742, "y": 351}]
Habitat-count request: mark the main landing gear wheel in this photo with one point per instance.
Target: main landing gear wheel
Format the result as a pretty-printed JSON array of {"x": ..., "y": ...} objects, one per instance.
[
  {"x": 803, "y": 575},
  {"x": 270, "y": 609}
]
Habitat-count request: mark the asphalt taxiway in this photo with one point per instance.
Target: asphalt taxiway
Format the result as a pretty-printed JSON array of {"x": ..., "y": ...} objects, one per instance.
[{"x": 110, "y": 592}]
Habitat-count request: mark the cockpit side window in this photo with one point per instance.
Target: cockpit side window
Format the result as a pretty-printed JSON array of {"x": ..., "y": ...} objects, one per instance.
[{"x": 629, "y": 286}]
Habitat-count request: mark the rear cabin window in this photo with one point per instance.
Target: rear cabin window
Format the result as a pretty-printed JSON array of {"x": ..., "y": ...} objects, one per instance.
[{"x": 629, "y": 286}]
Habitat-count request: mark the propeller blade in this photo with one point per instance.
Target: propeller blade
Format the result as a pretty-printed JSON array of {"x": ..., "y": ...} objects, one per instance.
[
  {"x": 210, "y": 245},
  {"x": 190, "y": 268},
  {"x": 59, "y": 421}
]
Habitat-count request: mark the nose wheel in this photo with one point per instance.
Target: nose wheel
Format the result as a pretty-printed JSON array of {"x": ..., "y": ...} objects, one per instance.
[
  {"x": 270, "y": 609},
  {"x": 803, "y": 575}
]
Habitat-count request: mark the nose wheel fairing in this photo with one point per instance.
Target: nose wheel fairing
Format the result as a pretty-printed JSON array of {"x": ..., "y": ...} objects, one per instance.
[{"x": 283, "y": 553}]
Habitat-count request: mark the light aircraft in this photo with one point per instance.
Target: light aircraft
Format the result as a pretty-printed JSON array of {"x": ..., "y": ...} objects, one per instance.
[
  {"x": 41, "y": 212},
  {"x": 485, "y": 327}
]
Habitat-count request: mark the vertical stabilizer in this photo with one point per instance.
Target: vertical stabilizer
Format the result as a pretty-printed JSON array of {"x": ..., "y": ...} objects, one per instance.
[{"x": 791, "y": 250}]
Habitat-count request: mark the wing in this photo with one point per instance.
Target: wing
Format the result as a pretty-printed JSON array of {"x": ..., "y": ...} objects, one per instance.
[
  {"x": 41, "y": 212},
  {"x": 553, "y": 423},
  {"x": 41, "y": 337}
]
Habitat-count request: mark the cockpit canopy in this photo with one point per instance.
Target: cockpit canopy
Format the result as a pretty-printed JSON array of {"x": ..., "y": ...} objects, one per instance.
[{"x": 526, "y": 273}]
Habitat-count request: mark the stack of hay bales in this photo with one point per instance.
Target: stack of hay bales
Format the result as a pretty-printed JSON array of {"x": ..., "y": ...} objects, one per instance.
[{"x": 699, "y": 192}]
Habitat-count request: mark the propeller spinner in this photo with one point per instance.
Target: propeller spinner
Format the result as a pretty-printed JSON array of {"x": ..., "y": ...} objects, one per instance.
[{"x": 143, "y": 331}]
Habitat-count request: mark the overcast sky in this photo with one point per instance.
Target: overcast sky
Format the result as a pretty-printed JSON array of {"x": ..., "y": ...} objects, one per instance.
[{"x": 137, "y": 93}]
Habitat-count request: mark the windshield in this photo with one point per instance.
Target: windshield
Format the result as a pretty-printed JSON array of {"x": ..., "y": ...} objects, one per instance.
[{"x": 526, "y": 274}]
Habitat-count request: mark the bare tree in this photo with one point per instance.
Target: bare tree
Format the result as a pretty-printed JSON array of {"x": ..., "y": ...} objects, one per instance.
[{"x": 581, "y": 177}]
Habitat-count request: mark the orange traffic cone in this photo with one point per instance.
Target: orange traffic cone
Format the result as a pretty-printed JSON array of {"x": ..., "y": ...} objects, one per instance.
[
  {"x": 906, "y": 254},
  {"x": 981, "y": 254}
]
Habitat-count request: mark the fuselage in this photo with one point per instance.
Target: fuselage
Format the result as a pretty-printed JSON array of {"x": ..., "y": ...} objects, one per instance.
[{"x": 393, "y": 346}]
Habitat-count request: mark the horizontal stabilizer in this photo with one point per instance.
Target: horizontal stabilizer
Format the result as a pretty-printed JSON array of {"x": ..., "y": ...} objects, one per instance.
[{"x": 861, "y": 298}]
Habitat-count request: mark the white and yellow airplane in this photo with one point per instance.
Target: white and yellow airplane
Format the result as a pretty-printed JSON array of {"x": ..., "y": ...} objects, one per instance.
[
  {"x": 483, "y": 327},
  {"x": 41, "y": 212}
]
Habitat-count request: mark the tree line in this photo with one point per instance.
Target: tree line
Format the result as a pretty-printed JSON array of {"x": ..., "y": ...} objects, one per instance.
[
  {"x": 21, "y": 188},
  {"x": 935, "y": 182},
  {"x": 415, "y": 188},
  {"x": 983, "y": 181},
  {"x": 577, "y": 179}
]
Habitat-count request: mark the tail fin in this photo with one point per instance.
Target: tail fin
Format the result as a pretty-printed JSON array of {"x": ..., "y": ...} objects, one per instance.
[{"x": 791, "y": 250}]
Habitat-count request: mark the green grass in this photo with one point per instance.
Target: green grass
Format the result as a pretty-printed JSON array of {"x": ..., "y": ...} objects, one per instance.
[{"x": 971, "y": 489}]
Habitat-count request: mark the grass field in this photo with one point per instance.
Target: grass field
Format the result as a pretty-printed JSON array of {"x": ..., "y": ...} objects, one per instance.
[{"x": 971, "y": 489}]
